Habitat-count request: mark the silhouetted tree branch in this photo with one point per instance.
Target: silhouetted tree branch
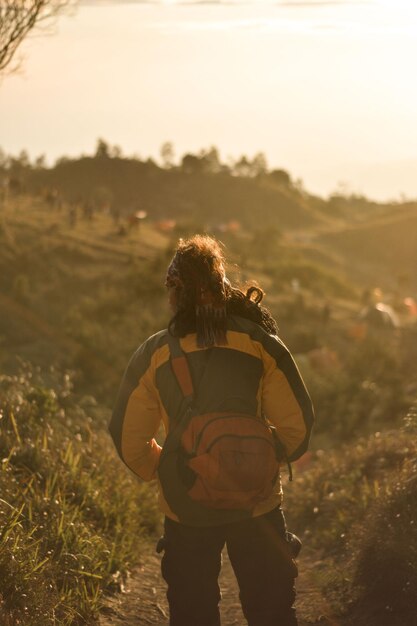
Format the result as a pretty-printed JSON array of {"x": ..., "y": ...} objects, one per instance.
[{"x": 18, "y": 18}]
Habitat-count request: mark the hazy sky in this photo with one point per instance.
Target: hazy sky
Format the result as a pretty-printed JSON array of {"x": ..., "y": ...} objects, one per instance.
[{"x": 326, "y": 90}]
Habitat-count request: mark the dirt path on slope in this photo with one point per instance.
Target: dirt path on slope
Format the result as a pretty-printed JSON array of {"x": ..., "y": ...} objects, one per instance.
[{"x": 144, "y": 601}]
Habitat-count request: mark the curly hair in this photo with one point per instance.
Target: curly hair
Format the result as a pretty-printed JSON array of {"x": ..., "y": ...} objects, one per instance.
[
  {"x": 204, "y": 296},
  {"x": 248, "y": 305}
]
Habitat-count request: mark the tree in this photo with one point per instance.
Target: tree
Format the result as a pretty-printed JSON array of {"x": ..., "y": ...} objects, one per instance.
[
  {"x": 18, "y": 18},
  {"x": 211, "y": 160},
  {"x": 259, "y": 164},
  {"x": 115, "y": 152},
  {"x": 192, "y": 164},
  {"x": 40, "y": 162},
  {"x": 23, "y": 159},
  {"x": 281, "y": 177},
  {"x": 3, "y": 159},
  {"x": 102, "y": 149},
  {"x": 246, "y": 168},
  {"x": 167, "y": 155},
  {"x": 242, "y": 167}
]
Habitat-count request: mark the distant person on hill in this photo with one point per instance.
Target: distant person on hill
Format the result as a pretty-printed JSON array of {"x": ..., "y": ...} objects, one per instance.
[
  {"x": 234, "y": 406},
  {"x": 72, "y": 215}
]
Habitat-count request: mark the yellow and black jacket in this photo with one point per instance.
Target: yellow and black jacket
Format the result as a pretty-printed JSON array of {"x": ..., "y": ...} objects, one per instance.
[{"x": 254, "y": 373}]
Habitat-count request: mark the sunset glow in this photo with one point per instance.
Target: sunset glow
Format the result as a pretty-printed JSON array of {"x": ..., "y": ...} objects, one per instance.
[{"x": 325, "y": 89}]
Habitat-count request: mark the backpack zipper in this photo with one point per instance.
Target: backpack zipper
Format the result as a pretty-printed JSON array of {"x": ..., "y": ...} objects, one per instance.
[
  {"x": 238, "y": 437},
  {"x": 221, "y": 417}
]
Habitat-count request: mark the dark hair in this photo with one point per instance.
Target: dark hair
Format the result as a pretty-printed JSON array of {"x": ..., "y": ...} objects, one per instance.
[
  {"x": 199, "y": 266},
  {"x": 248, "y": 305}
]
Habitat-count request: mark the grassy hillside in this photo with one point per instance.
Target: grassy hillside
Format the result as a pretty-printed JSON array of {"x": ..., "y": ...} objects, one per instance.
[
  {"x": 84, "y": 298},
  {"x": 201, "y": 198},
  {"x": 367, "y": 237},
  {"x": 77, "y": 297},
  {"x": 382, "y": 251}
]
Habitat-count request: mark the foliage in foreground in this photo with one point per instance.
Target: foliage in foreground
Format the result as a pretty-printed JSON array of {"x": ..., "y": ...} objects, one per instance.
[
  {"x": 71, "y": 518},
  {"x": 359, "y": 507}
]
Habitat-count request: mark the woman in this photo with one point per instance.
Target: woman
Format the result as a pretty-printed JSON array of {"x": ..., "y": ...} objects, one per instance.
[{"x": 237, "y": 365}]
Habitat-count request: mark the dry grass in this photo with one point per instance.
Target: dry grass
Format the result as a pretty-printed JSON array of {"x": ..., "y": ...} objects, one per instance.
[
  {"x": 358, "y": 506},
  {"x": 71, "y": 517}
]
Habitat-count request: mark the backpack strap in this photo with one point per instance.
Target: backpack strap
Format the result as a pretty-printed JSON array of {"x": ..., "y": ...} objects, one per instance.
[{"x": 180, "y": 368}]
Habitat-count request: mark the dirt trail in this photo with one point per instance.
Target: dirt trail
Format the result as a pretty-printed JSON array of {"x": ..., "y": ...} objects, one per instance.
[{"x": 145, "y": 602}]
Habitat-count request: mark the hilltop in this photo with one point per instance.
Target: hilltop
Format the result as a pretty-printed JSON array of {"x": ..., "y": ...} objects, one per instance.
[
  {"x": 373, "y": 243},
  {"x": 193, "y": 195}
]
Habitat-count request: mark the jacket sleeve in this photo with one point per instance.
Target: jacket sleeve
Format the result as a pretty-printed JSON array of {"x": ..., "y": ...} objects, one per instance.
[
  {"x": 136, "y": 417},
  {"x": 285, "y": 400}
]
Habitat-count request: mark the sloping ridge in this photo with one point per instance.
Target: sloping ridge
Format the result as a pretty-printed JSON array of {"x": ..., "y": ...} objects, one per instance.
[
  {"x": 204, "y": 198},
  {"x": 384, "y": 251}
]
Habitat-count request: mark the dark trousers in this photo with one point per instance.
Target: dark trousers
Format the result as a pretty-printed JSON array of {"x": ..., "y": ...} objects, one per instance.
[{"x": 260, "y": 558}]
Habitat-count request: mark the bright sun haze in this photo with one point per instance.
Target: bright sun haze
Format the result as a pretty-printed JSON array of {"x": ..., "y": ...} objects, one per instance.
[{"x": 325, "y": 89}]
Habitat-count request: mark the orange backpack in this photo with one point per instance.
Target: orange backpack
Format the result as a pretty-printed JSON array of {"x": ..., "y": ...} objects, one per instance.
[{"x": 214, "y": 467}]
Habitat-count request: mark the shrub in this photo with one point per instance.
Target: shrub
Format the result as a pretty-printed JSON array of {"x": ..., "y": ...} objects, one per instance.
[
  {"x": 370, "y": 390},
  {"x": 385, "y": 566},
  {"x": 358, "y": 506}
]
